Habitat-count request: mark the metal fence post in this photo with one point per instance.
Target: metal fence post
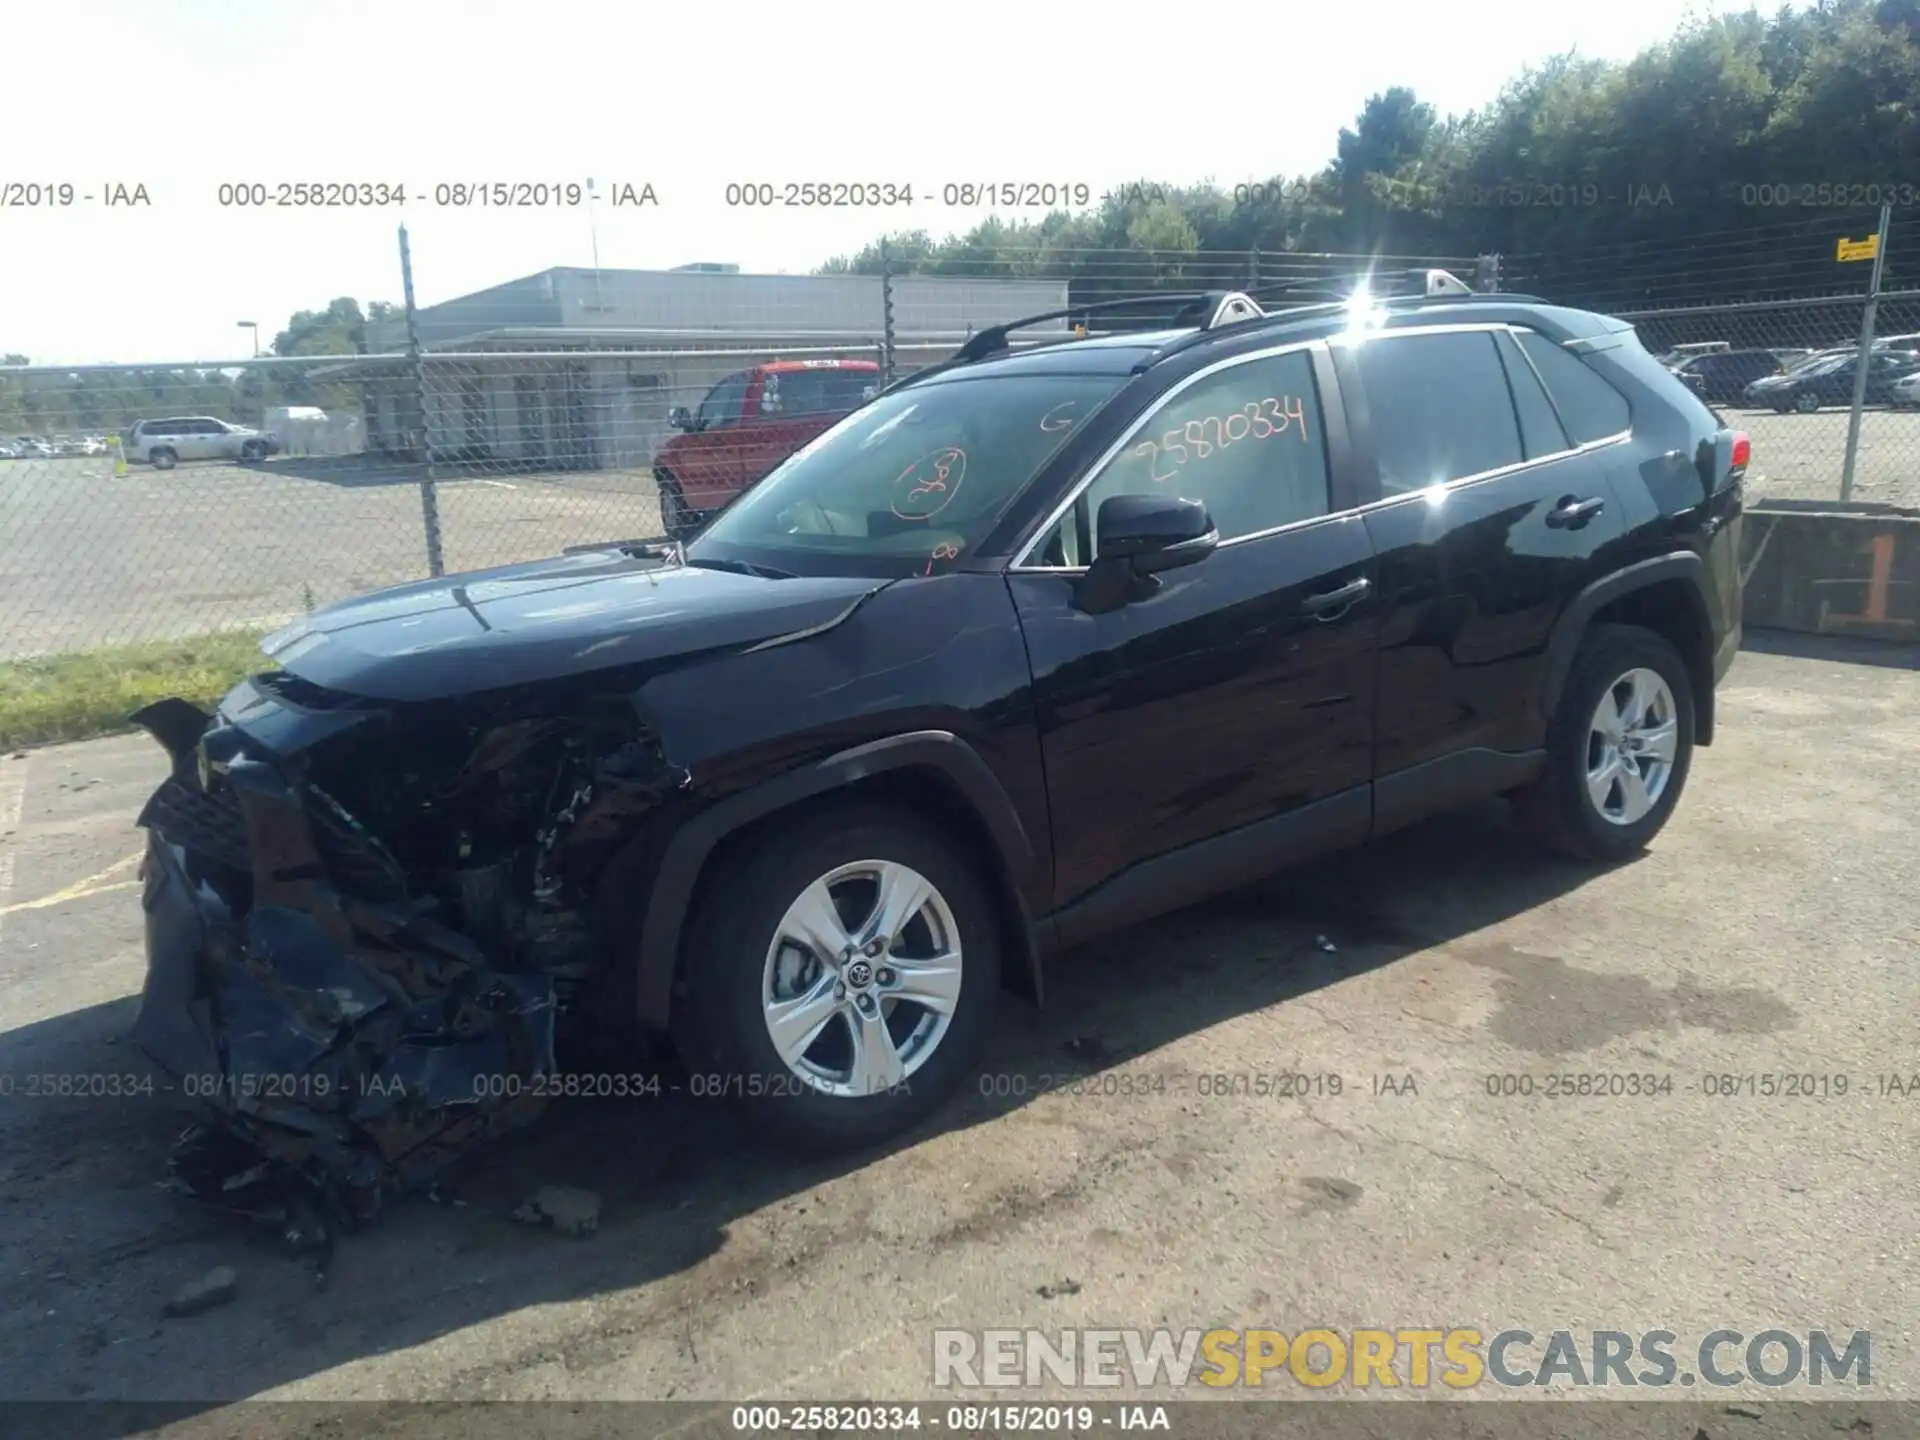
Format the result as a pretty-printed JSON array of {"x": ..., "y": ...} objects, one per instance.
[
  {"x": 1866, "y": 354},
  {"x": 429, "y": 497},
  {"x": 886, "y": 314},
  {"x": 1253, "y": 271}
]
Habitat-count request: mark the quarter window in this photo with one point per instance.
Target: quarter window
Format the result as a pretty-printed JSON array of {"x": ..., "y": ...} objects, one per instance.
[
  {"x": 1246, "y": 441},
  {"x": 1440, "y": 408},
  {"x": 1592, "y": 409}
]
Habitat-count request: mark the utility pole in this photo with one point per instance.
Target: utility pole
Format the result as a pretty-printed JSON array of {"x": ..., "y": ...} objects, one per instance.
[
  {"x": 429, "y": 497},
  {"x": 1865, "y": 354}
]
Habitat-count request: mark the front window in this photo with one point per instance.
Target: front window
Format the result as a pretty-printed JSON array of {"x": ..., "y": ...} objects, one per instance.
[{"x": 911, "y": 481}]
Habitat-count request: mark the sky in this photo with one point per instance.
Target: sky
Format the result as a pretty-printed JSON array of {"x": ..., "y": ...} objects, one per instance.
[{"x": 181, "y": 97}]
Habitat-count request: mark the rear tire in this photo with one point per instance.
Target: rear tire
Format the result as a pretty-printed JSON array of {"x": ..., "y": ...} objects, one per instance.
[
  {"x": 163, "y": 457},
  {"x": 878, "y": 1061},
  {"x": 1618, "y": 747}
]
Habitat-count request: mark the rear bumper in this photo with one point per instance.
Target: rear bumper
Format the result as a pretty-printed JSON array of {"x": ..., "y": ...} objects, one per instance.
[{"x": 358, "y": 1043}]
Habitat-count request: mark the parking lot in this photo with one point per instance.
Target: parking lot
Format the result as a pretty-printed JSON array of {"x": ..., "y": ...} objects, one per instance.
[
  {"x": 89, "y": 559},
  {"x": 1101, "y": 1177}
]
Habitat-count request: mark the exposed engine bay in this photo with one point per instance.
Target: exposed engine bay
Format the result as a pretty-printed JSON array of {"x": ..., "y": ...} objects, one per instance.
[{"x": 372, "y": 926}]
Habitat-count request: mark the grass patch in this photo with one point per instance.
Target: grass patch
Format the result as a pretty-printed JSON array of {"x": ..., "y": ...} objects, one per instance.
[{"x": 74, "y": 697}]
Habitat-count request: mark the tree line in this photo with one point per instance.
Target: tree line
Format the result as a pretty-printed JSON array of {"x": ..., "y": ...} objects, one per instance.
[
  {"x": 85, "y": 401},
  {"x": 1720, "y": 165}
]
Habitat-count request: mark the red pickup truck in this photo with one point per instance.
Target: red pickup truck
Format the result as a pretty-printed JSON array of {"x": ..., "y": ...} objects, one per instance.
[{"x": 749, "y": 423}]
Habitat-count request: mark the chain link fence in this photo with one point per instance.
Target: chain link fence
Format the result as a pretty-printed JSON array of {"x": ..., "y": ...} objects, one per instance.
[{"x": 151, "y": 502}]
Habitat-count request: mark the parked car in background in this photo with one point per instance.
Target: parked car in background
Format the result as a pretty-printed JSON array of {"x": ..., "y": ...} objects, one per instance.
[
  {"x": 165, "y": 443},
  {"x": 1830, "y": 381},
  {"x": 1722, "y": 377},
  {"x": 1906, "y": 390},
  {"x": 1680, "y": 353},
  {"x": 749, "y": 423},
  {"x": 26, "y": 447}
]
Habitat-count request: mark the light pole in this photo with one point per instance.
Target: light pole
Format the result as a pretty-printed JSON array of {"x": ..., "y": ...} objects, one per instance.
[{"x": 255, "y": 328}]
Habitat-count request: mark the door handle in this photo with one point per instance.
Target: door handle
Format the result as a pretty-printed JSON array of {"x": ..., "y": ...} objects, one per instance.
[
  {"x": 1571, "y": 514},
  {"x": 1329, "y": 603}
]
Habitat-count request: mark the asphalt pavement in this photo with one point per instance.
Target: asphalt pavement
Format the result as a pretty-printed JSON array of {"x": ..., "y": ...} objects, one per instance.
[{"x": 1121, "y": 1162}]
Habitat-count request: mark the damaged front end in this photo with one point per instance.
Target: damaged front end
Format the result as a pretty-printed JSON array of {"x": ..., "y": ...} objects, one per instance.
[{"x": 370, "y": 925}]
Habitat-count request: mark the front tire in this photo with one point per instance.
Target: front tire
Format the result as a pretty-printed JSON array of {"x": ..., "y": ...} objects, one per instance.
[
  {"x": 1806, "y": 402},
  {"x": 841, "y": 973},
  {"x": 164, "y": 458},
  {"x": 676, "y": 519},
  {"x": 1618, "y": 748},
  {"x": 253, "y": 452}
]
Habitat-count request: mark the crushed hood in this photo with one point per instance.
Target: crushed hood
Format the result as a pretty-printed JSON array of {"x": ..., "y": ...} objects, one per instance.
[{"x": 518, "y": 624}]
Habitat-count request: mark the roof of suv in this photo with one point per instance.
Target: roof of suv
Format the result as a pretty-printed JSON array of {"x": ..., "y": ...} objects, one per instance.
[{"x": 1120, "y": 353}]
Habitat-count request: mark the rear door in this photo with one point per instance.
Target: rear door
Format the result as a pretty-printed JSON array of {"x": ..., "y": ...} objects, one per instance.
[
  {"x": 1234, "y": 703},
  {"x": 201, "y": 439},
  {"x": 1487, "y": 517}
]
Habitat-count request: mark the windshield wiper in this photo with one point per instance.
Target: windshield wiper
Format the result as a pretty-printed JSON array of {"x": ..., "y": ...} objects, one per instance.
[{"x": 740, "y": 567}]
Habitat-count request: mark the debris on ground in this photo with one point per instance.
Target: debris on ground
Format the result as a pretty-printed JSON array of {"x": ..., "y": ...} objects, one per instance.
[
  {"x": 1059, "y": 1288},
  {"x": 1325, "y": 946},
  {"x": 563, "y": 1208},
  {"x": 212, "y": 1289}
]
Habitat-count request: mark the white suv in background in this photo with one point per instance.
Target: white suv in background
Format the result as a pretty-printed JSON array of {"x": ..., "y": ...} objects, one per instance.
[{"x": 165, "y": 443}]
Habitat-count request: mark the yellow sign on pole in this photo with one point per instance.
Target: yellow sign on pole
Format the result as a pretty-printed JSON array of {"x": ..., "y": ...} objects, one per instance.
[{"x": 1857, "y": 249}]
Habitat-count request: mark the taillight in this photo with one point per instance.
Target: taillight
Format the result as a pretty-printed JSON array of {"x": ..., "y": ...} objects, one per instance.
[{"x": 1742, "y": 453}]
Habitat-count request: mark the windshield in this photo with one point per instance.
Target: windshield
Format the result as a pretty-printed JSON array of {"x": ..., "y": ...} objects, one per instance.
[{"x": 910, "y": 481}]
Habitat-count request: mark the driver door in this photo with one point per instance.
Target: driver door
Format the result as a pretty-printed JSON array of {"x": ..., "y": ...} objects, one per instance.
[
  {"x": 710, "y": 466},
  {"x": 1200, "y": 736}
]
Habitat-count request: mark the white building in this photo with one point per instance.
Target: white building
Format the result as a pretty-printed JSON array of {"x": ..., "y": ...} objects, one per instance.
[{"x": 579, "y": 368}]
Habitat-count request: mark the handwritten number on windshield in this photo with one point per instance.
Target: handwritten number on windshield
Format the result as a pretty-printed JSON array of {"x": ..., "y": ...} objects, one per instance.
[
  {"x": 1200, "y": 438},
  {"x": 945, "y": 550},
  {"x": 928, "y": 486}
]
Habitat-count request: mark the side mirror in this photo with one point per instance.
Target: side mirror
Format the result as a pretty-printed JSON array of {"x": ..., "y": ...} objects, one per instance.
[
  {"x": 1138, "y": 537},
  {"x": 680, "y": 418},
  {"x": 1154, "y": 532}
]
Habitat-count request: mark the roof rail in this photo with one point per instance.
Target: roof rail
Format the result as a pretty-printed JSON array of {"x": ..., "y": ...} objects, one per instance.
[{"x": 994, "y": 338}]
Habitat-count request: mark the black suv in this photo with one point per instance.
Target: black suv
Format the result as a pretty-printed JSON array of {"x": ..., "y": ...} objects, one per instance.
[{"x": 1033, "y": 645}]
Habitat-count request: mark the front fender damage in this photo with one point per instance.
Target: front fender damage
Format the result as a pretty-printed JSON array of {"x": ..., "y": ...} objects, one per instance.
[{"x": 348, "y": 1022}]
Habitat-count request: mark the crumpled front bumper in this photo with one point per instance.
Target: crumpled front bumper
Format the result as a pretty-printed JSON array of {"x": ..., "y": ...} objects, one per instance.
[{"x": 357, "y": 1042}]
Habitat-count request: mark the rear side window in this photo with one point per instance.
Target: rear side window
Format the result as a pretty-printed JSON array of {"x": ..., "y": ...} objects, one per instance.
[
  {"x": 1590, "y": 407},
  {"x": 815, "y": 392},
  {"x": 1440, "y": 408}
]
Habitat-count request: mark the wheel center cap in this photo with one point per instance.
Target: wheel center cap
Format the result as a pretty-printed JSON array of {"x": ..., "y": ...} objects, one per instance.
[{"x": 859, "y": 974}]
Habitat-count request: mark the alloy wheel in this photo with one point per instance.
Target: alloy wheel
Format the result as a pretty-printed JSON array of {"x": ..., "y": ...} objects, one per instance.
[
  {"x": 1632, "y": 740},
  {"x": 862, "y": 978}
]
